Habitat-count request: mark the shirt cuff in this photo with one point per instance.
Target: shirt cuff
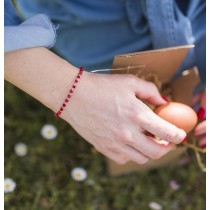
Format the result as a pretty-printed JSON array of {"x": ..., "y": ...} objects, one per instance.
[{"x": 37, "y": 31}]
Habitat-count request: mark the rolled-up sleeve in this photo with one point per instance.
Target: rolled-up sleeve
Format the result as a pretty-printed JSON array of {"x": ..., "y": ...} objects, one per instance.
[{"x": 37, "y": 31}]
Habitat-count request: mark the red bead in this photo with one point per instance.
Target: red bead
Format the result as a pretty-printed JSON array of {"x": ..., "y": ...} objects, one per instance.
[
  {"x": 58, "y": 113},
  {"x": 71, "y": 91},
  {"x": 81, "y": 71}
]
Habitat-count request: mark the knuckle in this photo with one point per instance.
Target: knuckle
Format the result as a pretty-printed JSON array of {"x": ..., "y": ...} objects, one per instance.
[
  {"x": 134, "y": 115},
  {"x": 145, "y": 121},
  {"x": 139, "y": 113},
  {"x": 125, "y": 136},
  {"x": 152, "y": 86},
  {"x": 132, "y": 78},
  {"x": 146, "y": 118},
  {"x": 171, "y": 137}
]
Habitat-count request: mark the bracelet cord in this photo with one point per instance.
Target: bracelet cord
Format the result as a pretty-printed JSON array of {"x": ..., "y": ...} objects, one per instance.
[{"x": 70, "y": 93}]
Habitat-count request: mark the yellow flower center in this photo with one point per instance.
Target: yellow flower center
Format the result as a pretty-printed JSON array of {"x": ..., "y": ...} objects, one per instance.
[
  {"x": 7, "y": 186},
  {"x": 78, "y": 174},
  {"x": 49, "y": 132},
  {"x": 20, "y": 149}
]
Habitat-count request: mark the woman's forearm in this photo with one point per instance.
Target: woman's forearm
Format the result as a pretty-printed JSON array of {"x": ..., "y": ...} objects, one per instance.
[{"x": 41, "y": 74}]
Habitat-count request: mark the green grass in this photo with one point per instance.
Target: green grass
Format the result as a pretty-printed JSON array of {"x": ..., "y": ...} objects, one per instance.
[{"x": 43, "y": 175}]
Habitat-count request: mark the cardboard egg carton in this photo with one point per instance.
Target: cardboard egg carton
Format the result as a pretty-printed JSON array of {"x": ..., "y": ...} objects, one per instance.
[{"x": 163, "y": 63}]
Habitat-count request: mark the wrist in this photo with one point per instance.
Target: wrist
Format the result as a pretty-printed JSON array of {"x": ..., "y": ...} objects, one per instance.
[
  {"x": 70, "y": 92},
  {"x": 60, "y": 86}
]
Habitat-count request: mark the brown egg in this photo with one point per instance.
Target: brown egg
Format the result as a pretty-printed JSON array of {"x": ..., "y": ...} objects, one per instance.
[{"x": 179, "y": 114}]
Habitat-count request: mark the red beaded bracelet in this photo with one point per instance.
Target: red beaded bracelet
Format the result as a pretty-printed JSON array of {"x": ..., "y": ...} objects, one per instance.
[{"x": 71, "y": 91}]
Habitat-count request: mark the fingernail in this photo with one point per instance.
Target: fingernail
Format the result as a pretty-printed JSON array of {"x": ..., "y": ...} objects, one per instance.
[
  {"x": 184, "y": 140},
  {"x": 165, "y": 99},
  {"x": 203, "y": 146},
  {"x": 201, "y": 113}
]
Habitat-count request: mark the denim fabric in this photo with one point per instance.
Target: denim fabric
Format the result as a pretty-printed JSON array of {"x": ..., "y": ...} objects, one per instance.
[
  {"x": 36, "y": 31},
  {"x": 91, "y": 32},
  {"x": 10, "y": 16}
]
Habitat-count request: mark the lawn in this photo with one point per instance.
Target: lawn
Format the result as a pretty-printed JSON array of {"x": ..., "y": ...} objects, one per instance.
[{"x": 43, "y": 176}]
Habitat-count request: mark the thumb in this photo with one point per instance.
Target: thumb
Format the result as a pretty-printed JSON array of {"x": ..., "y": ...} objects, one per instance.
[{"x": 149, "y": 92}]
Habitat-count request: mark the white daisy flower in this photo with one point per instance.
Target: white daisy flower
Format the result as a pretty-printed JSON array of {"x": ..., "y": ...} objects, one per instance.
[
  {"x": 79, "y": 174},
  {"x": 49, "y": 131},
  {"x": 155, "y": 206},
  {"x": 9, "y": 185},
  {"x": 174, "y": 185},
  {"x": 21, "y": 149}
]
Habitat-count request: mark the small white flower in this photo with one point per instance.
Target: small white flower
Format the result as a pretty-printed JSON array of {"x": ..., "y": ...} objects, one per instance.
[
  {"x": 21, "y": 149},
  {"x": 9, "y": 185},
  {"x": 174, "y": 185},
  {"x": 79, "y": 174},
  {"x": 49, "y": 131},
  {"x": 155, "y": 206}
]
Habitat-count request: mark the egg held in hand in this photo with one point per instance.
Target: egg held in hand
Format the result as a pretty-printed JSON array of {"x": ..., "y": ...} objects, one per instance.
[{"x": 178, "y": 114}]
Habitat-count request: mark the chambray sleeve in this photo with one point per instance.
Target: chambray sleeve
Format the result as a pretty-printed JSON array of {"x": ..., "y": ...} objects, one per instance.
[{"x": 37, "y": 31}]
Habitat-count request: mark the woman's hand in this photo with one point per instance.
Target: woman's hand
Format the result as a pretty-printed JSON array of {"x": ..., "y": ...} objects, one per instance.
[
  {"x": 105, "y": 111},
  {"x": 200, "y": 130}
]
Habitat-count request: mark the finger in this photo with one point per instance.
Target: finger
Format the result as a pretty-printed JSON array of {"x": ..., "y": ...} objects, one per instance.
[
  {"x": 117, "y": 157},
  {"x": 133, "y": 154},
  {"x": 161, "y": 128},
  {"x": 148, "y": 146},
  {"x": 200, "y": 128},
  {"x": 149, "y": 92}
]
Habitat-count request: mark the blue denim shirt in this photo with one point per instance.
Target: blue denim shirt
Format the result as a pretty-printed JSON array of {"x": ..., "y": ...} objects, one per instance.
[
  {"x": 36, "y": 31},
  {"x": 92, "y": 32}
]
